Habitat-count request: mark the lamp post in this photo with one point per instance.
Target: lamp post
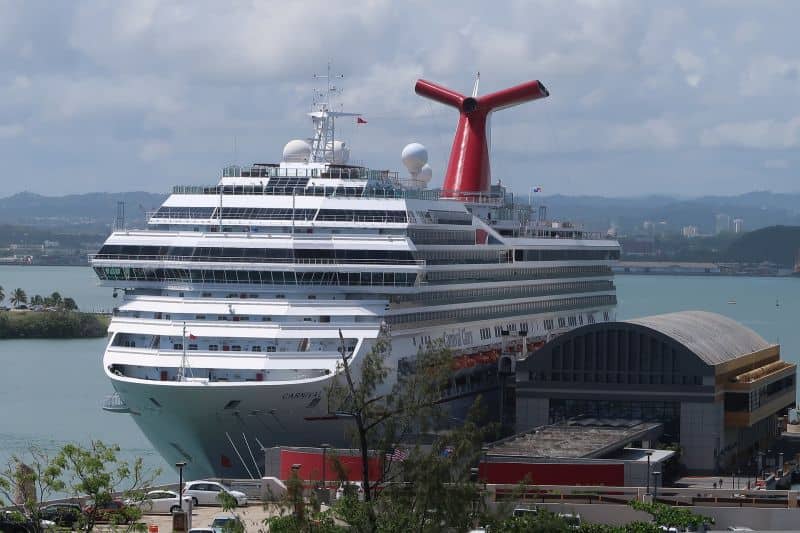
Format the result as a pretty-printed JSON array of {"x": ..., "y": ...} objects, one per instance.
[
  {"x": 648, "y": 454},
  {"x": 655, "y": 485},
  {"x": 324, "y": 447},
  {"x": 180, "y": 483}
]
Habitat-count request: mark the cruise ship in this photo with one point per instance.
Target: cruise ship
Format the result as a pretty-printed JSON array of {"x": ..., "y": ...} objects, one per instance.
[{"x": 237, "y": 299}]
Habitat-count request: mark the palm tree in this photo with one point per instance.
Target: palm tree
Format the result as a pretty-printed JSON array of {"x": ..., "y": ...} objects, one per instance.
[
  {"x": 18, "y": 297},
  {"x": 37, "y": 300},
  {"x": 70, "y": 305},
  {"x": 55, "y": 299},
  {"x": 2, "y": 294}
]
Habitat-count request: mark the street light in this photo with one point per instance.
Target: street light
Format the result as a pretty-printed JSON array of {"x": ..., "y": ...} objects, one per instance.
[
  {"x": 648, "y": 454},
  {"x": 655, "y": 485},
  {"x": 324, "y": 447},
  {"x": 180, "y": 483}
]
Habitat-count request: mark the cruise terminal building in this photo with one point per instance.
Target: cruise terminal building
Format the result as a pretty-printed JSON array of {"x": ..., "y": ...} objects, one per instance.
[{"x": 716, "y": 386}]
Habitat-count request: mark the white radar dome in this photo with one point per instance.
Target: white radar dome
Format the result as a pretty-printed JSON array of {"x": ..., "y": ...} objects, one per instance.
[
  {"x": 414, "y": 156},
  {"x": 341, "y": 152},
  {"x": 425, "y": 174},
  {"x": 296, "y": 151}
]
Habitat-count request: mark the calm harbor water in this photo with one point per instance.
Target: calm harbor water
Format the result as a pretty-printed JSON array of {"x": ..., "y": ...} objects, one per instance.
[{"x": 50, "y": 391}]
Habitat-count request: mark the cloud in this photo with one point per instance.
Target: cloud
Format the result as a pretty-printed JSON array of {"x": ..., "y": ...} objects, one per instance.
[
  {"x": 691, "y": 65},
  {"x": 776, "y": 164},
  {"x": 158, "y": 90},
  {"x": 8, "y": 131},
  {"x": 154, "y": 150},
  {"x": 759, "y": 134}
]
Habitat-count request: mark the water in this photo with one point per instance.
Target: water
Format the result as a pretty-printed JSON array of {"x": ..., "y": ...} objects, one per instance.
[
  {"x": 80, "y": 283},
  {"x": 50, "y": 390}
]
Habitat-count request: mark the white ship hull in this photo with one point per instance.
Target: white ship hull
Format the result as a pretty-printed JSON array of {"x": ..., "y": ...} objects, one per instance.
[{"x": 198, "y": 424}]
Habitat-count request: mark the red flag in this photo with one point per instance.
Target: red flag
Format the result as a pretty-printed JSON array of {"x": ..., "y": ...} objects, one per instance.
[
  {"x": 360, "y": 120},
  {"x": 192, "y": 337}
]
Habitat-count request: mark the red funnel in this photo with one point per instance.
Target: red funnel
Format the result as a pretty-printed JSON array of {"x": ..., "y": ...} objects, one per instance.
[{"x": 468, "y": 170}]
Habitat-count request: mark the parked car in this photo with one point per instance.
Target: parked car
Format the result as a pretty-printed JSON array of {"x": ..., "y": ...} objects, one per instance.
[
  {"x": 14, "y": 523},
  {"x": 159, "y": 501},
  {"x": 113, "y": 511},
  {"x": 573, "y": 521},
  {"x": 207, "y": 493},
  {"x": 223, "y": 520},
  {"x": 350, "y": 487},
  {"x": 62, "y": 514}
]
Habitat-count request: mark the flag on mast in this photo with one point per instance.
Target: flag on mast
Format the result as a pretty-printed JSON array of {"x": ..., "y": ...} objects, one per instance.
[{"x": 360, "y": 120}]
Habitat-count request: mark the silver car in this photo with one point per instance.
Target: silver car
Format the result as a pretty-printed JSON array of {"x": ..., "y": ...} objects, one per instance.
[{"x": 160, "y": 502}]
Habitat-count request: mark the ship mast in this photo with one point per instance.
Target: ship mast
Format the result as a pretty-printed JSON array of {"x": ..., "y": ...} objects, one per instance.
[{"x": 324, "y": 119}]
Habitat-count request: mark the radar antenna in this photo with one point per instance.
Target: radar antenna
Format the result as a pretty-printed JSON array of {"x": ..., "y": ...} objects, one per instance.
[{"x": 324, "y": 118}]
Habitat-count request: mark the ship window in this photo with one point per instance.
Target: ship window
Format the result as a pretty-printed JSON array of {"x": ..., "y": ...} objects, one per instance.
[
  {"x": 256, "y": 348},
  {"x": 192, "y": 346},
  {"x": 177, "y": 346},
  {"x": 270, "y": 348},
  {"x": 213, "y": 347},
  {"x": 236, "y": 348}
]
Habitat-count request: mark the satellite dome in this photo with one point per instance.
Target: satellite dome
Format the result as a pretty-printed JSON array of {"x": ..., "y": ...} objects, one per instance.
[
  {"x": 414, "y": 156},
  {"x": 296, "y": 151},
  {"x": 425, "y": 174},
  {"x": 341, "y": 152}
]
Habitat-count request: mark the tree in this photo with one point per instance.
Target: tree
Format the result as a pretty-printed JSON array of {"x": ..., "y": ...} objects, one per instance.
[
  {"x": 18, "y": 297},
  {"x": 28, "y": 481},
  {"x": 669, "y": 516},
  {"x": 2, "y": 294},
  {"x": 98, "y": 473},
  {"x": 69, "y": 304},
  {"x": 37, "y": 300},
  {"x": 55, "y": 299},
  {"x": 431, "y": 487}
]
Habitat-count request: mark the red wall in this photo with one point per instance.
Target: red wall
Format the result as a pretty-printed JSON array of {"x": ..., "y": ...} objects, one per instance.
[
  {"x": 553, "y": 473},
  {"x": 311, "y": 468}
]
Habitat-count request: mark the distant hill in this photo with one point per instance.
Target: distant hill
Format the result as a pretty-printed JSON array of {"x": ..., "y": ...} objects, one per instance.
[
  {"x": 758, "y": 209},
  {"x": 83, "y": 212},
  {"x": 776, "y": 244}
]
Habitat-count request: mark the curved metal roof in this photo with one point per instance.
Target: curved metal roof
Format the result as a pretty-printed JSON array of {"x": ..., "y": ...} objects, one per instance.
[{"x": 714, "y": 338}]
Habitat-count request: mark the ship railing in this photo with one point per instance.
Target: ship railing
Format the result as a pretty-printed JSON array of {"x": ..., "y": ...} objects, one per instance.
[
  {"x": 344, "y": 192},
  {"x": 270, "y": 171},
  {"x": 153, "y": 216},
  {"x": 281, "y": 260}
]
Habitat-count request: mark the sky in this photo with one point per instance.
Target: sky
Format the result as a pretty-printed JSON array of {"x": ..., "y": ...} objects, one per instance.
[{"x": 684, "y": 98}]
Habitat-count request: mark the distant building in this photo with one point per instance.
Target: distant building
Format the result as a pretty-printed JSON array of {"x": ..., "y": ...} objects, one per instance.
[
  {"x": 689, "y": 231},
  {"x": 649, "y": 227},
  {"x": 722, "y": 223},
  {"x": 738, "y": 225},
  {"x": 717, "y": 387},
  {"x": 50, "y": 244}
]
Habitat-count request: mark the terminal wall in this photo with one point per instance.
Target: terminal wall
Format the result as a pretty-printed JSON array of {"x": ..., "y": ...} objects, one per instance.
[{"x": 702, "y": 435}]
